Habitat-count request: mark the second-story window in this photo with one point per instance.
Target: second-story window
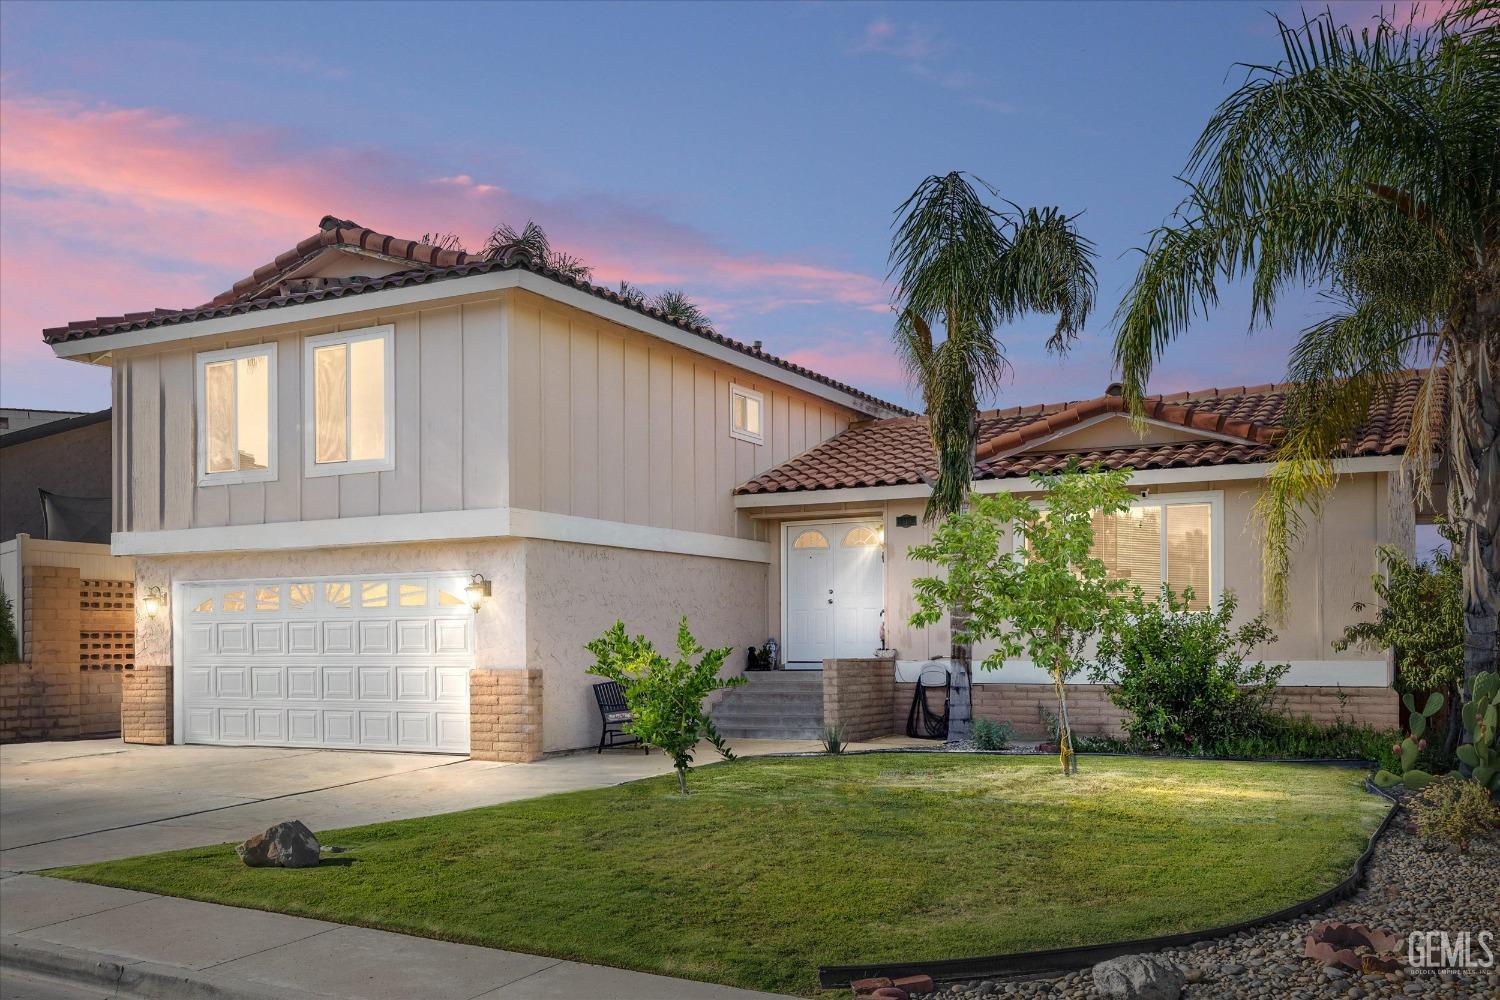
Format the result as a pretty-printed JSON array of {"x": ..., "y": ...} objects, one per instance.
[
  {"x": 746, "y": 414},
  {"x": 350, "y": 405},
  {"x": 237, "y": 415}
]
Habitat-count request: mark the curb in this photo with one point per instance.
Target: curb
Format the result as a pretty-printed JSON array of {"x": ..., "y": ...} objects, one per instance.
[
  {"x": 76, "y": 967},
  {"x": 1058, "y": 960}
]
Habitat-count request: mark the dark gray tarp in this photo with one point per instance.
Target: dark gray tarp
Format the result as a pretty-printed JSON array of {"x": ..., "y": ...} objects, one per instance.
[{"x": 75, "y": 519}]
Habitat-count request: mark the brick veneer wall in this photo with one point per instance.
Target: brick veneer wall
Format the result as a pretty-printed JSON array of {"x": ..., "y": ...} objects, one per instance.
[
  {"x": 505, "y": 714},
  {"x": 857, "y": 697},
  {"x": 1092, "y": 713},
  {"x": 80, "y": 638},
  {"x": 146, "y": 705}
]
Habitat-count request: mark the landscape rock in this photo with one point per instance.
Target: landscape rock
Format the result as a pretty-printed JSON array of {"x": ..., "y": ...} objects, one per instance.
[
  {"x": 1139, "y": 977},
  {"x": 285, "y": 845}
]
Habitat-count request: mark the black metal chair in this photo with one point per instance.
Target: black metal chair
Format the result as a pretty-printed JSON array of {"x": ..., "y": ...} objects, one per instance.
[{"x": 613, "y": 714}]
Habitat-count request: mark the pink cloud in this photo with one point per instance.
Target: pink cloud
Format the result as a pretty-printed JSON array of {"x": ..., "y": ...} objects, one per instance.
[
  {"x": 862, "y": 359},
  {"x": 166, "y": 211},
  {"x": 913, "y": 43}
]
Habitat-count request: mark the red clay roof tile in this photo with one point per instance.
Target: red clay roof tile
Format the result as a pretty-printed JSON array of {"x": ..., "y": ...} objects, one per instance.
[{"x": 899, "y": 451}]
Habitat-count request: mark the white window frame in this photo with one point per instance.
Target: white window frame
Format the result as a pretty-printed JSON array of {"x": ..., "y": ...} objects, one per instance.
[
  {"x": 760, "y": 401},
  {"x": 311, "y": 467},
  {"x": 1215, "y": 501},
  {"x": 200, "y": 378}
]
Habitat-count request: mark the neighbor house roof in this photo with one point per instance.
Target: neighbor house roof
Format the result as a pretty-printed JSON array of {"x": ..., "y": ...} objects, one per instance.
[
  {"x": 271, "y": 286},
  {"x": 1242, "y": 425},
  {"x": 51, "y": 427}
]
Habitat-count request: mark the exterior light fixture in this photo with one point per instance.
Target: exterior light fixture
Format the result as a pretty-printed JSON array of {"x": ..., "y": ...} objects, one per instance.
[
  {"x": 477, "y": 592},
  {"x": 152, "y": 602}
]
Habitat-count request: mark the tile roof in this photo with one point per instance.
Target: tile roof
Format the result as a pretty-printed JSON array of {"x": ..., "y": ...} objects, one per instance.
[
  {"x": 898, "y": 451},
  {"x": 262, "y": 290}
]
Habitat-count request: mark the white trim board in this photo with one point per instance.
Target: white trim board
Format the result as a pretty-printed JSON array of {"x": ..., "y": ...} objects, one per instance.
[
  {"x": 431, "y": 294},
  {"x": 436, "y": 526},
  {"x": 1303, "y": 673},
  {"x": 1144, "y": 477}
]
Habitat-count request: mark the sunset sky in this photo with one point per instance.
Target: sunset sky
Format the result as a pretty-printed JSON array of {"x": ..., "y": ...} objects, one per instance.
[{"x": 752, "y": 155}]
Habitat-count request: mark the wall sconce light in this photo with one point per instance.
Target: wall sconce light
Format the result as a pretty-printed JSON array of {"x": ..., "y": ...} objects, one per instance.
[
  {"x": 151, "y": 604},
  {"x": 477, "y": 592}
]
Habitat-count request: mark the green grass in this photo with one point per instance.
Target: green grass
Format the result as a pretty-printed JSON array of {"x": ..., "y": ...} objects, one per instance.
[{"x": 774, "y": 866}]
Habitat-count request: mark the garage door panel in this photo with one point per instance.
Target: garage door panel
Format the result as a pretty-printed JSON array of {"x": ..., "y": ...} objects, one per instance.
[{"x": 362, "y": 662}]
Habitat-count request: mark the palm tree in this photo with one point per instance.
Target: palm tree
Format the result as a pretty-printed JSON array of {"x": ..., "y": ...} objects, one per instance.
[
  {"x": 1367, "y": 163},
  {"x": 964, "y": 268},
  {"x": 677, "y": 307},
  {"x": 532, "y": 240}
]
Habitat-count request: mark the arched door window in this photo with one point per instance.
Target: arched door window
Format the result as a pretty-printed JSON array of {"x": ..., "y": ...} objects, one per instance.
[
  {"x": 810, "y": 538},
  {"x": 861, "y": 536}
]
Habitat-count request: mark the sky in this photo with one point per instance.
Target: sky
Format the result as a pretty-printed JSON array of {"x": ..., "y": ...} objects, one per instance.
[{"x": 750, "y": 154}]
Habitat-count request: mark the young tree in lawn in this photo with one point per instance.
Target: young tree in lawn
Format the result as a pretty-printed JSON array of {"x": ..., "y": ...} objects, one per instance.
[
  {"x": 962, "y": 270},
  {"x": 666, "y": 697},
  {"x": 1366, "y": 163},
  {"x": 1046, "y": 595}
]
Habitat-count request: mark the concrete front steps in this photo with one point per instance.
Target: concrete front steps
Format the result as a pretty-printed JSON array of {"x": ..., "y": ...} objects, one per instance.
[{"x": 774, "y": 705}]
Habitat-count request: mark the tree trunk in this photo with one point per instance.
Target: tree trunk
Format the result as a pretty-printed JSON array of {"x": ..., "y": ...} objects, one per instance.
[
  {"x": 682, "y": 780},
  {"x": 960, "y": 690},
  {"x": 1474, "y": 484},
  {"x": 1064, "y": 727}
]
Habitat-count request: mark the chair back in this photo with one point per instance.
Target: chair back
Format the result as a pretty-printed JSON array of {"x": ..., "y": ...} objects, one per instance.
[{"x": 610, "y": 696}]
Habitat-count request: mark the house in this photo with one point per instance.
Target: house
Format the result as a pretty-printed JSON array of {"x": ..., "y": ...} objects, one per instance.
[
  {"x": 315, "y": 467},
  {"x": 67, "y": 459},
  {"x": 324, "y": 471},
  {"x": 14, "y": 419}
]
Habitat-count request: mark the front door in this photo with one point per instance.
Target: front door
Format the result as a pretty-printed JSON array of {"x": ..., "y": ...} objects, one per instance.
[{"x": 835, "y": 591}]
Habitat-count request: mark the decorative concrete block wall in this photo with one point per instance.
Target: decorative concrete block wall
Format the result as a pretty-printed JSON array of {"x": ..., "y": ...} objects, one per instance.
[
  {"x": 80, "y": 639},
  {"x": 857, "y": 697},
  {"x": 505, "y": 714}
]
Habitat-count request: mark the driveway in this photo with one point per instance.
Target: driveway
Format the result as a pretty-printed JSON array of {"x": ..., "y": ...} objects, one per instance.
[{"x": 91, "y": 800}]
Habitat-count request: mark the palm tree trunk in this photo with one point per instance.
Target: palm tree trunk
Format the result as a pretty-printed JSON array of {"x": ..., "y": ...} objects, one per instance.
[
  {"x": 1474, "y": 485},
  {"x": 961, "y": 691}
]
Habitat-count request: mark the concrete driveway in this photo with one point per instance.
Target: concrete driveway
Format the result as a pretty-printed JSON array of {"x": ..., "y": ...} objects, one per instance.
[{"x": 92, "y": 800}]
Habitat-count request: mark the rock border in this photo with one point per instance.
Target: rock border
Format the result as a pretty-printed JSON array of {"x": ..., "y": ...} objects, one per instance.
[{"x": 1058, "y": 960}]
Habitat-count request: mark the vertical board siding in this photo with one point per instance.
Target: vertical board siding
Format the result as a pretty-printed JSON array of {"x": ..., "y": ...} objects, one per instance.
[
  {"x": 606, "y": 422},
  {"x": 449, "y": 421}
]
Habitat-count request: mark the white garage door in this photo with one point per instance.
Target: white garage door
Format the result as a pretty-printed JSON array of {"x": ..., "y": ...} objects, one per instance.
[{"x": 361, "y": 662}]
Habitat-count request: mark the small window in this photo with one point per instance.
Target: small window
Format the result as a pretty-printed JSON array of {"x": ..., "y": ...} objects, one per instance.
[
  {"x": 300, "y": 595},
  {"x": 237, "y": 409},
  {"x": 746, "y": 414},
  {"x": 267, "y": 598},
  {"x": 349, "y": 409},
  {"x": 413, "y": 595},
  {"x": 810, "y": 539},
  {"x": 234, "y": 600},
  {"x": 861, "y": 536},
  {"x": 205, "y": 606},
  {"x": 374, "y": 595},
  {"x": 336, "y": 594}
]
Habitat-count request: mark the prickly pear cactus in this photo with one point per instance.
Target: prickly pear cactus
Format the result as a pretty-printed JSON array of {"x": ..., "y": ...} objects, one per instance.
[
  {"x": 1408, "y": 749},
  {"x": 1481, "y": 756}
]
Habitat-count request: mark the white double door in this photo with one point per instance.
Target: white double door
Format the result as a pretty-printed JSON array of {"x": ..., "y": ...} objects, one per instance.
[{"x": 835, "y": 589}]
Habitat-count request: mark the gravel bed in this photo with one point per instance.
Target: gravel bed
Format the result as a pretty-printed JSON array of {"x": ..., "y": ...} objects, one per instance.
[{"x": 1409, "y": 885}]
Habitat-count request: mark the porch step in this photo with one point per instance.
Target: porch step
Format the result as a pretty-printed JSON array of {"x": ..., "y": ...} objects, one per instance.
[{"x": 773, "y": 704}]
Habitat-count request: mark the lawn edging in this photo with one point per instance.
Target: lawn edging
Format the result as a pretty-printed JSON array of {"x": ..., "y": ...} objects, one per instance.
[{"x": 1056, "y": 960}]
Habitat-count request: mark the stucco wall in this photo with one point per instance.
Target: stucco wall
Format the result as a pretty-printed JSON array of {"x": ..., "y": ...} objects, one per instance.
[
  {"x": 73, "y": 463},
  {"x": 575, "y": 592}
]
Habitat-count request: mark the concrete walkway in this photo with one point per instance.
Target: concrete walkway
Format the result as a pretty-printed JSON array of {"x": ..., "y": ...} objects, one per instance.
[
  {"x": 75, "y": 802},
  {"x": 96, "y": 940}
]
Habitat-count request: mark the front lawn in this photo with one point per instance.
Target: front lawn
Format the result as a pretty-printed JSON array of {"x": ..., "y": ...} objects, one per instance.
[{"x": 774, "y": 866}]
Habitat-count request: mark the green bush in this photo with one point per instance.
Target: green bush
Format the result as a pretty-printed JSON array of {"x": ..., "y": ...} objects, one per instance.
[
  {"x": 833, "y": 739},
  {"x": 9, "y": 651},
  {"x": 1183, "y": 677},
  {"x": 1305, "y": 739},
  {"x": 990, "y": 735}
]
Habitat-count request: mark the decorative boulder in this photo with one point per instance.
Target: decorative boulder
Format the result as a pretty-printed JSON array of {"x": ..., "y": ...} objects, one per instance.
[
  {"x": 285, "y": 845},
  {"x": 1139, "y": 977}
]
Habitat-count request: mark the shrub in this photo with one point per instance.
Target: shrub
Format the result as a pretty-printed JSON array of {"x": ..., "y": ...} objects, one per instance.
[
  {"x": 9, "y": 651},
  {"x": 1183, "y": 677},
  {"x": 1281, "y": 737},
  {"x": 989, "y": 735},
  {"x": 833, "y": 739},
  {"x": 665, "y": 697},
  {"x": 1455, "y": 810}
]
